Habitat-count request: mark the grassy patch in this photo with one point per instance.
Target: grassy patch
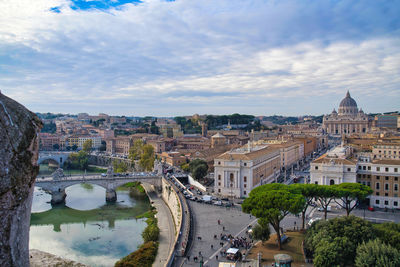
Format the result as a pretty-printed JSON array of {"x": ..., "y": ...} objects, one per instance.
[
  {"x": 270, "y": 248},
  {"x": 133, "y": 185},
  {"x": 144, "y": 256}
]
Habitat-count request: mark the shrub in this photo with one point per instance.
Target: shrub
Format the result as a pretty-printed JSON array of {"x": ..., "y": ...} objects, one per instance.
[{"x": 143, "y": 257}]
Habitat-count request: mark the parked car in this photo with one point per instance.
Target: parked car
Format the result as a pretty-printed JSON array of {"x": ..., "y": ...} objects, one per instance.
[
  {"x": 370, "y": 208},
  {"x": 218, "y": 203}
]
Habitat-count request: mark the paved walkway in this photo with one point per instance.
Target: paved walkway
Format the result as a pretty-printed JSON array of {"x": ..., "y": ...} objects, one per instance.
[{"x": 166, "y": 225}]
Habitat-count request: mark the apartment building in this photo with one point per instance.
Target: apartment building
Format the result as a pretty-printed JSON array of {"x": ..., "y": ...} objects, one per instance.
[{"x": 238, "y": 171}]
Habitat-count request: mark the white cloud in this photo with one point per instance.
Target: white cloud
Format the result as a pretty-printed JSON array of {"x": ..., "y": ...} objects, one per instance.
[{"x": 196, "y": 53}]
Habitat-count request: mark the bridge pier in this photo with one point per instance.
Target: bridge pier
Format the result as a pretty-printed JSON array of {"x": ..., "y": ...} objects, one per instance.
[
  {"x": 111, "y": 195},
  {"x": 58, "y": 197}
]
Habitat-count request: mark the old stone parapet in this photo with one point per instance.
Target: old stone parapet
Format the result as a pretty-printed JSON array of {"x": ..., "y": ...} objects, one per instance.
[{"x": 18, "y": 169}]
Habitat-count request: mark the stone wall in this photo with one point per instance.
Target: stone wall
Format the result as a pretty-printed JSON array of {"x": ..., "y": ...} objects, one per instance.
[
  {"x": 171, "y": 198},
  {"x": 18, "y": 169}
]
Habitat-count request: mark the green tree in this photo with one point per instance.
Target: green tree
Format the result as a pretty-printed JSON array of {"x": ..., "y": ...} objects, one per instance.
[
  {"x": 334, "y": 242},
  {"x": 389, "y": 233},
  {"x": 349, "y": 195},
  {"x": 309, "y": 192},
  {"x": 151, "y": 233},
  {"x": 325, "y": 195},
  {"x": 261, "y": 231},
  {"x": 272, "y": 202},
  {"x": 376, "y": 253},
  {"x": 78, "y": 161},
  {"x": 87, "y": 146},
  {"x": 136, "y": 150},
  {"x": 120, "y": 166},
  {"x": 199, "y": 172},
  {"x": 147, "y": 158},
  {"x": 185, "y": 167}
]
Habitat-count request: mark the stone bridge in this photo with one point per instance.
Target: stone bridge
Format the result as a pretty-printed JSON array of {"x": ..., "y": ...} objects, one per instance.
[
  {"x": 59, "y": 157},
  {"x": 57, "y": 184}
]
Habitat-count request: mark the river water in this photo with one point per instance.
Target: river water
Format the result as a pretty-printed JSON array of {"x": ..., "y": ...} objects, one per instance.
[{"x": 87, "y": 229}]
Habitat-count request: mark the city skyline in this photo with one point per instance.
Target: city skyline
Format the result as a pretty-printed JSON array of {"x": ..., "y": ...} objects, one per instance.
[{"x": 169, "y": 58}]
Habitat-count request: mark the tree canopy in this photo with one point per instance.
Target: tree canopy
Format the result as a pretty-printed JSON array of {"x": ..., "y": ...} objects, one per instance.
[
  {"x": 334, "y": 242},
  {"x": 325, "y": 195},
  {"x": 136, "y": 150},
  {"x": 87, "y": 145},
  {"x": 349, "y": 195},
  {"x": 309, "y": 192},
  {"x": 147, "y": 158},
  {"x": 272, "y": 202},
  {"x": 376, "y": 253}
]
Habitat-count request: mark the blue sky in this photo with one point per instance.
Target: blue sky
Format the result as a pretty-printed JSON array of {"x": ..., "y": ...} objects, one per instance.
[{"x": 169, "y": 58}]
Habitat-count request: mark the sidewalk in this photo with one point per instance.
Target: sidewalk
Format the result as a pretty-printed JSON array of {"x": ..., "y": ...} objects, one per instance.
[{"x": 166, "y": 225}]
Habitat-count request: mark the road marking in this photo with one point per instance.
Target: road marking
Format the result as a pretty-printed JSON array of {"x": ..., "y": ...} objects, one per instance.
[{"x": 241, "y": 231}]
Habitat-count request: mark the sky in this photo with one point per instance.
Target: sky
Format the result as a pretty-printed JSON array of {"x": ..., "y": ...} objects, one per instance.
[{"x": 168, "y": 58}]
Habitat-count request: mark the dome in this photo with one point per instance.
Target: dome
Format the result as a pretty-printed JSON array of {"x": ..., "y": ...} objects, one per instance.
[
  {"x": 348, "y": 101},
  {"x": 348, "y": 106}
]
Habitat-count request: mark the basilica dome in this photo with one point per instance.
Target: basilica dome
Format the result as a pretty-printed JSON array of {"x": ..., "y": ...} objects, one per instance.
[{"x": 348, "y": 106}]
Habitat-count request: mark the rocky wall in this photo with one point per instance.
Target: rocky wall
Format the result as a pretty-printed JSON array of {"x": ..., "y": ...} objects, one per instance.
[{"x": 18, "y": 169}]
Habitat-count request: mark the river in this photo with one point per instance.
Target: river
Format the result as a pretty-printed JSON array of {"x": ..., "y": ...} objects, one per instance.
[{"x": 87, "y": 229}]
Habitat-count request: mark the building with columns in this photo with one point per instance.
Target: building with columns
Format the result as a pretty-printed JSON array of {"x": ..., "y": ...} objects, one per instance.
[
  {"x": 348, "y": 120},
  {"x": 238, "y": 171}
]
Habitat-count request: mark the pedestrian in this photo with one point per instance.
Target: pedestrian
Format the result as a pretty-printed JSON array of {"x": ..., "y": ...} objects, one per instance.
[
  {"x": 219, "y": 222},
  {"x": 199, "y": 253},
  {"x": 216, "y": 257},
  {"x": 212, "y": 246},
  {"x": 188, "y": 257},
  {"x": 223, "y": 228}
]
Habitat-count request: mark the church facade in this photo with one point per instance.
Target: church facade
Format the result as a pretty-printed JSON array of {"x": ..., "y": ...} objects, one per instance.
[{"x": 349, "y": 119}]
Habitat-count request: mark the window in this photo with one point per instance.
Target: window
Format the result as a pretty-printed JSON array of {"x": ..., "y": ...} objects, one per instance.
[
  {"x": 369, "y": 168},
  {"x": 348, "y": 169},
  {"x": 244, "y": 185},
  {"x": 245, "y": 179},
  {"x": 377, "y": 201},
  {"x": 245, "y": 164},
  {"x": 332, "y": 182},
  {"x": 396, "y": 178},
  {"x": 219, "y": 176},
  {"x": 316, "y": 167},
  {"x": 378, "y": 177},
  {"x": 219, "y": 162},
  {"x": 377, "y": 193},
  {"x": 386, "y": 194},
  {"x": 396, "y": 187},
  {"x": 364, "y": 168},
  {"x": 219, "y": 190},
  {"x": 387, "y": 178},
  {"x": 315, "y": 182},
  {"x": 378, "y": 169},
  {"x": 359, "y": 167},
  {"x": 377, "y": 186},
  {"x": 395, "y": 203},
  {"x": 386, "y": 202},
  {"x": 244, "y": 192},
  {"x": 369, "y": 183},
  {"x": 386, "y": 169},
  {"x": 396, "y": 169}
]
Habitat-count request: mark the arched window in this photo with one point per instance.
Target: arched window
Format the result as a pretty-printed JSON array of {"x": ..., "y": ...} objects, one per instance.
[
  {"x": 332, "y": 182},
  {"x": 231, "y": 177}
]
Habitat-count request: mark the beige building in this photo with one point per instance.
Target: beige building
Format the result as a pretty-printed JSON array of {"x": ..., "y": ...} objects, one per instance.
[
  {"x": 119, "y": 145},
  {"x": 173, "y": 158},
  {"x": 382, "y": 175},
  {"x": 238, "y": 171},
  {"x": 349, "y": 119},
  {"x": 335, "y": 167}
]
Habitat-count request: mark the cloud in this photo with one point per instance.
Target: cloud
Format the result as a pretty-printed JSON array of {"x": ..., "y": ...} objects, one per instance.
[{"x": 166, "y": 58}]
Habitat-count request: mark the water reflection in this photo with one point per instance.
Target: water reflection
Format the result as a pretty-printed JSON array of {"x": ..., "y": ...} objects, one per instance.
[{"x": 86, "y": 228}]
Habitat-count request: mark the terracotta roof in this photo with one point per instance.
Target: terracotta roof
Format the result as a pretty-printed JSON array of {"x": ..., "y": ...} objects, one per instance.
[
  {"x": 324, "y": 159},
  {"x": 247, "y": 155},
  {"x": 387, "y": 161}
]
